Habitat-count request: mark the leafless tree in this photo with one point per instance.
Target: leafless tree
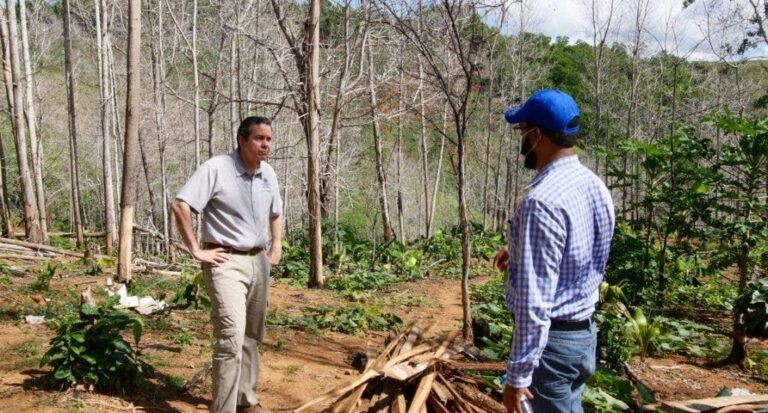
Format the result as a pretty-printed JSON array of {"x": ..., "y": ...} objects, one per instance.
[
  {"x": 130, "y": 153},
  {"x": 74, "y": 166},
  {"x": 31, "y": 218}
]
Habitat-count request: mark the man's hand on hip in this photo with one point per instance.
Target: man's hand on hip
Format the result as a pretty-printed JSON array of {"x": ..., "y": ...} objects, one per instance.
[
  {"x": 513, "y": 396},
  {"x": 274, "y": 254},
  {"x": 215, "y": 257}
]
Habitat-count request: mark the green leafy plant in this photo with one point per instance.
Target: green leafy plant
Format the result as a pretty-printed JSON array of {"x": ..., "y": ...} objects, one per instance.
[
  {"x": 350, "y": 320},
  {"x": 492, "y": 323},
  {"x": 751, "y": 309},
  {"x": 642, "y": 331},
  {"x": 90, "y": 348},
  {"x": 607, "y": 392},
  {"x": 192, "y": 293},
  {"x": 44, "y": 276},
  {"x": 94, "y": 269}
]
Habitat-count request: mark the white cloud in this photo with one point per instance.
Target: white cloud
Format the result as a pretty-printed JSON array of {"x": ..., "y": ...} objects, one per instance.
[{"x": 695, "y": 32}]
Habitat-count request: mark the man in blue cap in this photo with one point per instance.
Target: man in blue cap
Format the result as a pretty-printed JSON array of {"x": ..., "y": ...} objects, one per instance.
[{"x": 559, "y": 239}]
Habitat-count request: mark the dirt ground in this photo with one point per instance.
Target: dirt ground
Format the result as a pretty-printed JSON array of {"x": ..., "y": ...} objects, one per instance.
[{"x": 297, "y": 366}]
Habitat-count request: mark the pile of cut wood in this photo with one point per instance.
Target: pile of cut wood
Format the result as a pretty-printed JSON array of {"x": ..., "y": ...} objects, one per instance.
[{"x": 409, "y": 376}]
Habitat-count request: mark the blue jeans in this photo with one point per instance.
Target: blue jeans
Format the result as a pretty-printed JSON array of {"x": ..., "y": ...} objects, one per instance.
[{"x": 567, "y": 362}]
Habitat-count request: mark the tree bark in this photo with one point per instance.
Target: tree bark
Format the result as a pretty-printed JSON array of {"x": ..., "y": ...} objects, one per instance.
[
  {"x": 132, "y": 113},
  {"x": 74, "y": 166},
  {"x": 32, "y": 226},
  {"x": 5, "y": 211},
  {"x": 109, "y": 199},
  {"x": 399, "y": 144},
  {"x": 196, "y": 77},
  {"x": 381, "y": 175},
  {"x": 35, "y": 142},
  {"x": 313, "y": 145}
]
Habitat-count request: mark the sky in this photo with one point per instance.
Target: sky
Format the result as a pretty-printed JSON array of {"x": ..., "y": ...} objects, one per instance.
[{"x": 669, "y": 26}]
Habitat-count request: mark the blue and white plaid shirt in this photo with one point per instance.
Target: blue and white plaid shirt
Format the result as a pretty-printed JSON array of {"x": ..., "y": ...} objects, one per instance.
[{"x": 559, "y": 239}]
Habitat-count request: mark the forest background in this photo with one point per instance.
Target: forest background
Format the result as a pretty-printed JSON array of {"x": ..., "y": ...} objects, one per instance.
[{"x": 395, "y": 137}]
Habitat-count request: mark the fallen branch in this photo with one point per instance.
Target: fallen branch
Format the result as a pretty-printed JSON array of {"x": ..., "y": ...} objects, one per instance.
[{"x": 41, "y": 247}]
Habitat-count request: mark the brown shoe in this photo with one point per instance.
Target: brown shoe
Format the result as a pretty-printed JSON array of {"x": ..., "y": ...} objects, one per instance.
[{"x": 252, "y": 409}]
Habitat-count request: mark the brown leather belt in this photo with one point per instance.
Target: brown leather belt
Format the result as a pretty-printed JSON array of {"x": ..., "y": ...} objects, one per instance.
[{"x": 252, "y": 251}]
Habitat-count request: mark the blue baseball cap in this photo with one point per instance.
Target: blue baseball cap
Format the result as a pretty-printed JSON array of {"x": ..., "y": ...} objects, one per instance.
[{"x": 549, "y": 109}]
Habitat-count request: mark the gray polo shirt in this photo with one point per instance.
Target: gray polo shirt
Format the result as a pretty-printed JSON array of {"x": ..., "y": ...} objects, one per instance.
[{"x": 236, "y": 206}]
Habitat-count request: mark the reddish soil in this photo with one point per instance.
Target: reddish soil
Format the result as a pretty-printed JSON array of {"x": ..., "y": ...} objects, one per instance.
[{"x": 297, "y": 366}]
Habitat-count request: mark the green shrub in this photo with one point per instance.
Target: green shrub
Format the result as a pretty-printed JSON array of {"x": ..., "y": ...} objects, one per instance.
[
  {"x": 90, "y": 348},
  {"x": 44, "y": 276},
  {"x": 192, "y": 294},
  {"x": 751, "y": 308}
]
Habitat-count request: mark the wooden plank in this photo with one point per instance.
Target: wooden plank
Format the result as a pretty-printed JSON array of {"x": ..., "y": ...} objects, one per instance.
[
  {"x": 705, "y": 405},
  {"x": 425, "y": 385}
]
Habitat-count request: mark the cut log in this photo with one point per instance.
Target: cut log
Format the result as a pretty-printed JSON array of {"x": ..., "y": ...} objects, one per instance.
[
  {"x": 24, "y": 257},
  {"x": 41, "y": 247}
]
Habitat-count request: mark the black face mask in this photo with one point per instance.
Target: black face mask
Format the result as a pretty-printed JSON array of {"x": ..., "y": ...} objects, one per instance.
[{"x": 526, "y": 149}]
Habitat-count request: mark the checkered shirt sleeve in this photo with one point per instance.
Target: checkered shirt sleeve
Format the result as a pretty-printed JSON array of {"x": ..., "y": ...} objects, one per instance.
[{"x": 538, "y": 246}]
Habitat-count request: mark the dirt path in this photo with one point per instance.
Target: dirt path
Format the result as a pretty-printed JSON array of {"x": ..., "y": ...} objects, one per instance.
[{"x": 297, "y": 366}]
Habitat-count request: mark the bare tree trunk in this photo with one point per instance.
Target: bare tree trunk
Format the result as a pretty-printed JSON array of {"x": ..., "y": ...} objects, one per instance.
[
  {"x": 423, "y": 136},
  {"x": 32, "y": 226},
  {"x": 196, "y": 77},
  {"x": 599, "y": 40},
  {"x": 233, "y": 118},
  {"x": 399, "y": 145},
  {"x": 35, "y": 142},
  {"x": 313, "y": 145},
  {"x": 109, "y": 200},
  {"x": 132, "y": 113},
  {"x": 74, "y": 166},
  {"x": 466, "y": 329},
  {"x": 5, "y": 211},
  {"x": 158, "y": 82},
  {"x": 335, "y": 134},
  {"x": 439, "y": 166},
  {"x": 380, "y": 173}
]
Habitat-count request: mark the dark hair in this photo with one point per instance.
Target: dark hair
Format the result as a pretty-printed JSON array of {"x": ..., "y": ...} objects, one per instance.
[
  {"x": 245, "y": 126},
  {"x": 244, "y": 130}
]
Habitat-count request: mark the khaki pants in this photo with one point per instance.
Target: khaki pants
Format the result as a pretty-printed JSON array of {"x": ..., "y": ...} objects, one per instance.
[{"x": 239, "y": 290}]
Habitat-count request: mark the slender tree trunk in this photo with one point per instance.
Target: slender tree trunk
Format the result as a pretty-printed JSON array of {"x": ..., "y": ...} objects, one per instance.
[
  {"x": 109, "y": 200},
  {"x": 5, "y": 211},
  {"x": 466, "y": 329},
  {"x": 436, "y": 189},
  {"x": 158, "y": 82},
  {"x": 132, "y": 113},
  {"x": 423, "y": 139},
  {"x": 399, "y": 145},
  {"x": 74, "y": 166},
  {"x": 196, "y": 77},
  {"x": 316, "y": 278},
  {"x": 233, "y": 117},
  {"x": 380, "y": 173},
  {"x": 35, "y": 142},
  {"x": 33, "y": 230},
  {"x": 335, "y": 134}
]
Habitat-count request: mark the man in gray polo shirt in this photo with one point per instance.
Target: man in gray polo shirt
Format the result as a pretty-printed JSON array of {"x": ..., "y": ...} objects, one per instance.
[{"x": 239, "y": 198}]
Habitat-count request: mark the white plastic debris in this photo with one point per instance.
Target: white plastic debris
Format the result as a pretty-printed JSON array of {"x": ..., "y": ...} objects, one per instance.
[
  {"x": 738, "y": 391},
  {"x": 34, "y": 319},
  {"x": 145, "y": 305}
]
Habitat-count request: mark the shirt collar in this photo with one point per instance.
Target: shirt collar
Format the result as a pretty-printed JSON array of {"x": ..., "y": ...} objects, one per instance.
[
  {"x": 240, "y": 168},
  {"x": 561, "y": 163}
]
